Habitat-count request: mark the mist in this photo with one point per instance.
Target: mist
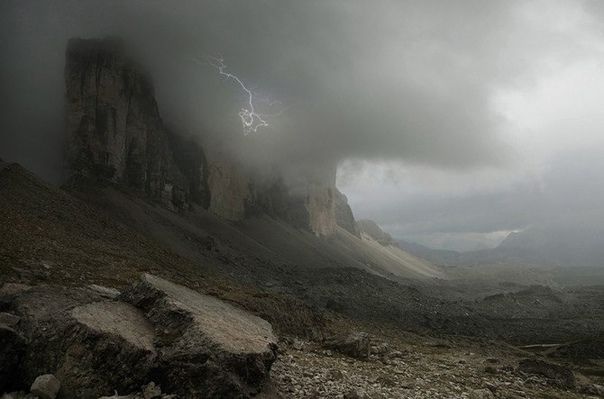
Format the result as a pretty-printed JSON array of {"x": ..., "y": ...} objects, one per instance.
[{"x": 465, "y": 119}]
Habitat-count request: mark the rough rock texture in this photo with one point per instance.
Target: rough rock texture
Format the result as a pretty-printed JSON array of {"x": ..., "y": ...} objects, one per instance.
[
  {"x": 311, "y": 200},
  {"x": 207, "y": 348},
  {"x": 322, "y": 209},
  {"x": 190, "y": 344},
  {"x": 232, "y": 188},
  {"x": 115, "y": 133},
  {"x": 355, "y": 344},
  {"x": 557, "y": 375},
  {"x": 344, "y": 216},
  {"x": 46, "y": 386},
  {"x": 238, "y": 191},
  {"x": 371, "y": 229},
  {"x": 114, "y": 130},
  {"x": 91, "y": 345},
  {"x": 193, "y": 163}
]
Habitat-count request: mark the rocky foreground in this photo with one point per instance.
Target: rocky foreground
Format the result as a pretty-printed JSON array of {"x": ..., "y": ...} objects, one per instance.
[
  {"x": 157, "y": 339},
  {"x": 95, "y": 342}
]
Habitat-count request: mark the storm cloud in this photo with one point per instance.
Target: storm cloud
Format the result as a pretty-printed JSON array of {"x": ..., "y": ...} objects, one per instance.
[{"x": 445, "y": 117}]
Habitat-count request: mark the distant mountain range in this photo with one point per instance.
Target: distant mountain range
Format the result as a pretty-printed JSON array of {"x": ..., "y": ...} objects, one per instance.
[{"x": 575, "y": 243}]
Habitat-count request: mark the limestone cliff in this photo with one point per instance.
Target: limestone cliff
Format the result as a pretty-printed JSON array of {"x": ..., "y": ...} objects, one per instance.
[
  {"x": 371, "y": 229},
  {"x": 114, "y": 130},
  {"x": 322, "y": 204},
  {"x": 115, "y": 133},
  {"x": 344, "y": 215},
  {"x": 232, "y": 188}
]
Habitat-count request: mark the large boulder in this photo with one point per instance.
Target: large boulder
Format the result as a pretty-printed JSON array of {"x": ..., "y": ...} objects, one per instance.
[
  {"x": 191, "y": 344},
  {"x": 93, "y": 346},
  {"x": 206, "y": 347}
]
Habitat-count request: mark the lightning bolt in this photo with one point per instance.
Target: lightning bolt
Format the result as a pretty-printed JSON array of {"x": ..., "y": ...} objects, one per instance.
[{"x": 250, "y": 119}]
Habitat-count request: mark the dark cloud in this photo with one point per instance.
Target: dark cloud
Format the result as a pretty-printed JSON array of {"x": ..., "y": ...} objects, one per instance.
[
  {"x": 568, "y": 196},
  {"x": 394, "y": 79},
  {"x": 408, "y": 81}
]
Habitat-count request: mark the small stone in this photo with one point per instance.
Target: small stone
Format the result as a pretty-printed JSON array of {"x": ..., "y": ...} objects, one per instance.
[
  {"x": 298, "y": 345},
  {"x": 395, "y": 354},
  {"x": 151, "y": 391},
  {"x": 46, "y": 386},
  {"x": 481, "y": 394}
]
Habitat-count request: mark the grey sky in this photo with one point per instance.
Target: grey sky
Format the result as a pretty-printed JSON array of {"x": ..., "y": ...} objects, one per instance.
[{"x": 454, "y": 121}]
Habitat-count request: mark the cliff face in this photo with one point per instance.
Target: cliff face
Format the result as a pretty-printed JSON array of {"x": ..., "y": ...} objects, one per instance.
[
  {"x": 238, "y": 192},
  {"x": 321, "y": 204},
  {"x": 374, "y": 231},
  {"x": 232, "y": 188},
  {"x": 115, "y": 133},
  {"x": 344, "y": 215},
  {"x": 114, "y": 130}
]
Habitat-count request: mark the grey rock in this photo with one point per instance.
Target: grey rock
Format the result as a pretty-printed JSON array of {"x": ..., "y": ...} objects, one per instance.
[
  {"x": 344, "y": 215},
  {"x": 557, "y": 375},
  {"x": 207, "y": 348},
  {"x": 151, "y": 391},
  {"x": 371, "y": 229},
  {"x": 114, "y": 130},
  {"x": 355, "y": 344},
  {"x": 106, "y": 292},
  {"x": 46, "y": 386},
  {"x": 116, "y": 396},
  {"x": 481, "y": 394},
  {"x": 9, "y": 319},
  {"x": 382, "y": 349},
  {"x": 92, "y": 345},
  {"x": 9, "y": 292},
  {"x": 592, "y": 389}
]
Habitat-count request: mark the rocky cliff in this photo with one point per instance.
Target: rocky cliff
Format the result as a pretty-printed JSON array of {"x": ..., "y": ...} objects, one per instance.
[
  {"x": 372, "y": 230},
  {"x": 115, "y": 133},
  {"x": 344, "y": 215},
  {"x": 114, "y": 129}
]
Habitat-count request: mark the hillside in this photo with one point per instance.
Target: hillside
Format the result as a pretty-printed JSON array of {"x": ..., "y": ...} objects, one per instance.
[{"x": 300, "y": 283}]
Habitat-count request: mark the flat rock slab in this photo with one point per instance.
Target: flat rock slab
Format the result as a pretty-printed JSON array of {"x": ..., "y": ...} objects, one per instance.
[
  {"x": 118, "y": 319},
  {"x": 207, "y": 347}
]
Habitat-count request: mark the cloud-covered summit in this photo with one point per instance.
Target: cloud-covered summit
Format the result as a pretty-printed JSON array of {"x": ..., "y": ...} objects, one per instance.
[{"x": 469, "y": 104}]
